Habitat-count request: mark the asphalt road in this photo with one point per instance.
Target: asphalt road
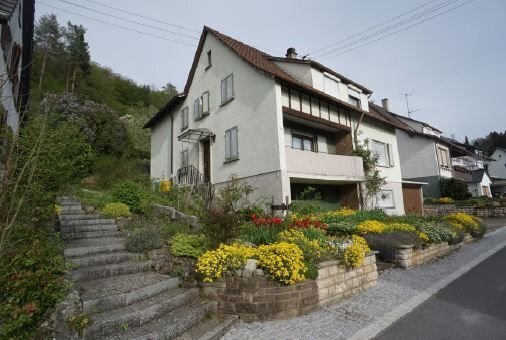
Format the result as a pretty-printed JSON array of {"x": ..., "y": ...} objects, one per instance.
[{"x": 471, "y": 307}]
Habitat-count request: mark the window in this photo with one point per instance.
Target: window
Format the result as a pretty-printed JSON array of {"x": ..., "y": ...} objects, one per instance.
[
  {"x": 209, "y": 59},
  {"x": 227, "y": 89},
  {"x": 443, "y": 157},
  {"x": 184, "y": 158},
  {"x": 302, "y": 142},
  {"x": 354, "y": 101},
  {"x": 231, "y": 144},
  {"x": 205, "y": 103},
  {"x": 197, "y": 109},
  {"x": 386, "y": 199},
  {"x": 184, "y": 118},
  {"x": 6, "y": 40},
  {"x": 384, "y": 152}
]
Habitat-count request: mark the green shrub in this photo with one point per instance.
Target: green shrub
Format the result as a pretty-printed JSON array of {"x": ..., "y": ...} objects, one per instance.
[
  {"x": 170, "y": 229},
  {"x": 109, "y": 170},
  {"x": 454, "y": 188},
  {"x": 142, "y": 240},
  {"x": 257, "y": 235},
  {"x": 190, "y": 245},
  {"x": 130, "y": 193},
  {"x": 220, "y": 227},
  {"x": 345, "y": 227},
  {"x": 437, "y": 232},
  {"x": 317, "y": 234},
  {"x": 115, "y": 210},
  {"x": 31, "y": 280},
  {"x": 481, "y": 230},
  {"x": 387, "y": 243}
]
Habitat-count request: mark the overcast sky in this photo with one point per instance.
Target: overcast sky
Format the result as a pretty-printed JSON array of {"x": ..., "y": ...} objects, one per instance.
[{"x": 453, "y": 66}]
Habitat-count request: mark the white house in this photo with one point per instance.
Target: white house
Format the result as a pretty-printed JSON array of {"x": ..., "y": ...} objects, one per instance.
[
  {"x": 479, "y": 185},
  {"x": 16, "y": 34},
  {"x": 280, "y": 123},
  {"x": 497, "y": 164}
]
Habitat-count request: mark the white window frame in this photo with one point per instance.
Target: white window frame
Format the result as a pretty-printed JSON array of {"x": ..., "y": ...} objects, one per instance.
[
  {"x": 184, "y": 118},
  {"x": 225, "y": 87},
  {"x": 209, "y": 59},
  {"x": 380, "y": 199},
  {"x": 388, "y": 151},
  {"x": 197, "y": 109},
  {"x": 229, "y": 148},
  {"x": 204, "y": 100}
]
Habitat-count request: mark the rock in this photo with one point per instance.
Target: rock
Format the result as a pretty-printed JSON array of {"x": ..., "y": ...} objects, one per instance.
[
  {"x": 251, "y": 265},
  {"x": 64, "y": 310},
  {"x": 259, "y": 272},
  {"x": 238, "y": 273}
]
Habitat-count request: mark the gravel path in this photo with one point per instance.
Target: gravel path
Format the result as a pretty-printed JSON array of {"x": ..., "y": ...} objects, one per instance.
[{"x": 394, "y": 287}]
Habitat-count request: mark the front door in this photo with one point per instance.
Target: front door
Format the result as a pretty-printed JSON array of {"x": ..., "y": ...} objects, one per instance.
[{"x": 207, "y": 160}]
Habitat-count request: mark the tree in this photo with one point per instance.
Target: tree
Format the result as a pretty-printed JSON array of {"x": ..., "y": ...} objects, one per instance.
[
  {"x": 466, "y": 141},
  {"x": 48, "y": 37},
  {"x": 492, "y": 141},
  {"x": 78, "y": 52}
]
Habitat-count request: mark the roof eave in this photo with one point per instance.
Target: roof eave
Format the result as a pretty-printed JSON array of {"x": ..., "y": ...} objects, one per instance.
[{"x": 165, "y": 110}]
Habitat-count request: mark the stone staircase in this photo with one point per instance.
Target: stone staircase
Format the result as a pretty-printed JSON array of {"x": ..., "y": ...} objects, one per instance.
[{"x": 119, "y": 292}]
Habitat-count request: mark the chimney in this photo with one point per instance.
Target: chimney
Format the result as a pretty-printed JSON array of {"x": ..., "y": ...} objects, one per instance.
[
  {"x": 384, "y": 103},
  {"x": 290, "y": 53}
]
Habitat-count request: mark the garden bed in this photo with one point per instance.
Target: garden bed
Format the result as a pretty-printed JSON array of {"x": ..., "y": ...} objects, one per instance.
[
  {"x": 253, "y": 296},
  {"x": 407, "y": 256}
]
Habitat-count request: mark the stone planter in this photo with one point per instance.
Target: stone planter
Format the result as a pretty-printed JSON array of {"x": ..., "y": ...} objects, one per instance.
[
  {"x": 446, "y": 209},
  {"x": 407, "y": 256},
  {"x": 252, "y": 296}
]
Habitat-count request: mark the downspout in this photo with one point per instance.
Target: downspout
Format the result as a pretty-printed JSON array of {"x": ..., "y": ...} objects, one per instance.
[
  {"x": 171, "y": 146},
  {"x": 355, "y": 140}
]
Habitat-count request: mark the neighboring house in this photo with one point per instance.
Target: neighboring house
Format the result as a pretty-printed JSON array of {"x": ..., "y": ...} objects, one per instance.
[
  {"x": 16, "y": 35},
  {"x": 497, "y": 164},
  {"x": 497, "y": 169},
  {"x": 426, "y": 156},
  {"x": 280, "y": 123},
  {"x": 479, "y": 185}
]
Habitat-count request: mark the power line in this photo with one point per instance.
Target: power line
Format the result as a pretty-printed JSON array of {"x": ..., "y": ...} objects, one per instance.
[
  {"x": 398, "y": 31},
  {"x": 391, "y": 27},
  {"x": 143, "y": 16},
  {"x": 130, "y": 21},
  {"x": 371, "y": 28},
  {"x": 118, "y": 26}
]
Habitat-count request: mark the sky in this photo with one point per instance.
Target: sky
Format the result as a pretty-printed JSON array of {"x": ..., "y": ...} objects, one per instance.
[{"x": 453, "y": 67}]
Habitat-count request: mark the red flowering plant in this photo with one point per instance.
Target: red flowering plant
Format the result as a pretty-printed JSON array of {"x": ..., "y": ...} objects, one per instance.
[
  {"x": 266, "y": 220},
  {"x": 306, "y": 221}
]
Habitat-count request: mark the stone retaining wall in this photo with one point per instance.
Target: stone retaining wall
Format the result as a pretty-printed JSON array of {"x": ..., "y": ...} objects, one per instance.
[
  {"x": 446, "y": 209},
  {"x": 175, "y": 215},
  {"x": 258, "y": 298},
  {"x": 407, "y": 256}
]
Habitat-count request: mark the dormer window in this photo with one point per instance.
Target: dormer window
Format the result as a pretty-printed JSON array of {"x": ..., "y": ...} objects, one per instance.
[
  {"x": 354, "y": 101},
  {"x": 209, "y": 59}
]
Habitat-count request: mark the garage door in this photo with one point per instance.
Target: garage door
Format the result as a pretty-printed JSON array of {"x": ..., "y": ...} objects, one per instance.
[{"x": 412, "y": 199}]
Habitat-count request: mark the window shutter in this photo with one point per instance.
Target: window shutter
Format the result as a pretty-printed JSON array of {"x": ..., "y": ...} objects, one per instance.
[
  {"x": 205, "y": 103},
  {"x": 230, "y": 86},
  {"x": 227, "y": 144},
  {"x": 391, "y": 159},
  {"x": 223, "y": 90},
  {"x": 235, "y": 143}
]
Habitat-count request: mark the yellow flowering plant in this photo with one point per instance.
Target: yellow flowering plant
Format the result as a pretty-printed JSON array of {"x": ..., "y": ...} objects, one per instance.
[
  {"x": 283, "y": 261},
  {"x": 337, "y": 215},
  {"x": 354, "y": 254},
  {"x": 370, "y": 226},
  {"x": 310, "y": 248},
  {"x": 393, "y": 227},
  {"x": 463, "y": 222}
]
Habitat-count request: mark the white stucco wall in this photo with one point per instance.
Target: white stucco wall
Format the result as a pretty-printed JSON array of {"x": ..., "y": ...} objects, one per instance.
[
  {"x": 253, "y": 110},
  {"x": 376, "y": 131},
  {"x": 160, "y": 149},
  {"x": 7, "y": 100},
  {"x": 497, "y": 168},
  {"x": 417, "y": 155},
  {"x": 299, "y": 71}
]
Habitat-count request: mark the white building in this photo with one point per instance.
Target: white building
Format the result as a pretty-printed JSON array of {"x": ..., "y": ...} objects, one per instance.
[
  {"x": 16, "y": 34},
  {"x": 279, "y": 123},
  {"x": 497, "y": 164}
]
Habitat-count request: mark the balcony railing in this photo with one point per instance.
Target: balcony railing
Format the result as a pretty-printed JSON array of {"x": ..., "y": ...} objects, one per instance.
[
  {"x": 314, "y": 165},
  {"x": 462, "y": 175}
]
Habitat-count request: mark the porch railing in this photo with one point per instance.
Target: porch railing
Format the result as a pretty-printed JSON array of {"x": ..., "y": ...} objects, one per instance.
[{"x": 190, "y": 175}]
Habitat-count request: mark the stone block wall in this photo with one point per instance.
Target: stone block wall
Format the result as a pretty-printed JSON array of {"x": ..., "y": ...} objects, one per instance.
[
  {"x": 258, "y": 298},
  {"x": 446, "y": 209},
  {"x": 175, "y": 215}
]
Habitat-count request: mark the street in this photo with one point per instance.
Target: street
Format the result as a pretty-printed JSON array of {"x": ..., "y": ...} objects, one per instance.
[{"x": 472, "y": 307}]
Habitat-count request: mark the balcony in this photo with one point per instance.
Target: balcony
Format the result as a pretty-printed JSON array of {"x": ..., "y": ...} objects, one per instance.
[{"x": 323, "y": 167}]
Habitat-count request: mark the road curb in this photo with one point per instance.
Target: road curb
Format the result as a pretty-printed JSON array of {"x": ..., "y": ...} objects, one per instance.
[{"x": 389, "y": 318}]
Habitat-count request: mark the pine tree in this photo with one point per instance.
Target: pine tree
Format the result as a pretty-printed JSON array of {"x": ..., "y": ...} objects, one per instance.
[
  {"x": 78, "y": 53},
  {"x": 48, "y": 37}
]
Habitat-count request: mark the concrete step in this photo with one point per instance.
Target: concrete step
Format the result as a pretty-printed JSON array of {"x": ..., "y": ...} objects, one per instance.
[
  {"x": 79, "y": 217},
  {"x": 112, "y": 322},
  {"x": 108, "y": 270},
  {"x": 89, "y": 234},
  {"x": 101, "y": 259},
  {"x": 81, "y": 222},
  {"x": 88, "y": 228},
  {"x": 212, "y": 328},
  {"x": 120, "y": 291},
  {"x": 91, "y": 246}
]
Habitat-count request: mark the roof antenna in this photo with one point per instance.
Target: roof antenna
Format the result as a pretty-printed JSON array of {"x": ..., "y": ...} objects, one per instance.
[{"x": 407, "y": 104}]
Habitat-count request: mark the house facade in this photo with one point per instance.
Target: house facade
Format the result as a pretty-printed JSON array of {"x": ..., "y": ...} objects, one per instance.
[
  {"x": 497, "y": 164},
  {"x": 280, "y": 123},
  {"x": 16, "y": 34},
  {"x": 427, "y": 156}
]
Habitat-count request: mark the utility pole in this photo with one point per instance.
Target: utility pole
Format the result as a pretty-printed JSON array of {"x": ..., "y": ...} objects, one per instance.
[{"x": 407, "y": 104}]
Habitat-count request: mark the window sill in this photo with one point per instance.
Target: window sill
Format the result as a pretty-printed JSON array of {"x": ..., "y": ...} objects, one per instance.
[
  {"x": 227, "y": 101},
  {"x": 186, "y": 128},
  {"x": 207, "y": 67},
  {"x": 230, "y": 160}
]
